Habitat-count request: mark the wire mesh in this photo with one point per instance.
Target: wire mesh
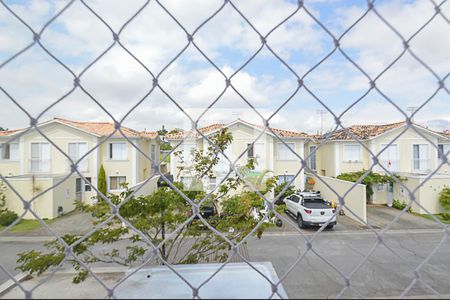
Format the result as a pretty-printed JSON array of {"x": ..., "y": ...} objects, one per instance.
[{"x": 156, "y": 84}]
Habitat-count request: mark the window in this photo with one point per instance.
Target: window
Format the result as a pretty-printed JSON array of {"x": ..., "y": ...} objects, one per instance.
[
  {"x": 117, "y": 151},
  {"x": 250, "y": 151},
  {"x": 153, "y": 152},
  {"x": 285, "y": 178},
  {"x": 284, "y": 153},
  {"x": 420, "y": 157},
  {"x": 352, "y": 152},
  {"x": 87, "y": 187},
  {"x": 295, "y": 198},
  {"x": 380, "y": 187},
  {"x": 312, "y": 158},
  {"x": 40, "y": 157},
  {"x": 10, "y": 151},
  {"x": 187, "y": 182},
  {"x": 443, "y": 150},
  {"x": 76, "y": 151},
  {"x": 115, "y": 182},
  {"x": 212, "y": 183},
  {"x": 389, "y": 157}
]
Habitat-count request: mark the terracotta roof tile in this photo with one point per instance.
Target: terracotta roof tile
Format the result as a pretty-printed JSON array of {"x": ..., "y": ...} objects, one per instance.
[
  {"x": 9, "y": 132},
  {"x": 446, "y": 133},
  {"x": 214, "y": 127},
  {"x": 106, "y": 128},
  {"x": 362, "y": 132}
]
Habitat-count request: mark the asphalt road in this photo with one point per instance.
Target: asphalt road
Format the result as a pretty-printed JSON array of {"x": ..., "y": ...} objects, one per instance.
[{"x": 385, "y": 274}]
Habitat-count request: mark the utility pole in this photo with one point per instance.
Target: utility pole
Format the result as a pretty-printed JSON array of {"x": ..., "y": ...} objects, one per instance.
[{"x": 321, "y": 112}]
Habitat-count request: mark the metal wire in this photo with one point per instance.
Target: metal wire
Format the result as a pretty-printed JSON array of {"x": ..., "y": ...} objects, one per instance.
[{"x": 157, "y": 84}]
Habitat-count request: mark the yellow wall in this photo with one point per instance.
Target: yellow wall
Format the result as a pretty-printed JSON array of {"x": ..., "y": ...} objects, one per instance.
[
  {"x": 427, "y": 195},
  {"x": 355, "y": 200},
  {"x": 46, "y": 205}
]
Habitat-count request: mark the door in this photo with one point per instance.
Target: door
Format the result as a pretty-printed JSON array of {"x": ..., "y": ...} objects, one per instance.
[
  {"x": 389, "y": 157},
  {"x": 78, "y": 189},
  {"x": 390, "y": 194}
]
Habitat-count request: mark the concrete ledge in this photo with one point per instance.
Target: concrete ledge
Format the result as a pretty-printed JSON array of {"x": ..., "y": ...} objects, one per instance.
[{"x": 8, "y": 285}]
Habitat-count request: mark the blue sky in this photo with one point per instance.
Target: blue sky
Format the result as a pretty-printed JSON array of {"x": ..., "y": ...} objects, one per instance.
[{"x": 77, "y": 37}]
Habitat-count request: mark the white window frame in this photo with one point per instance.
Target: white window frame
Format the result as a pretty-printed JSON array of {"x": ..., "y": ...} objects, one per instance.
[
  {"x": 291, "y": 156},
  {"x": 30, "y": 153},
  {"x": 110, "y": 155},
  {"x": 345, "y": 149},
  {"x": 11, "y": 157},
  {"x": 281, "y": 178},
  {"x": 311, "y": 156},
  {"x": 445, "y": 149},
  {"x": 83, "y": 166},
  {"x": 384, "y": 157},
  {"x": 153, "y": 154},
  {"x": 115, "y": 176}
]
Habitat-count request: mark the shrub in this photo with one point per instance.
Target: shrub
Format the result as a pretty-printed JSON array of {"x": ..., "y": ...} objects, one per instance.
[
  {"x": 444, "y": 198},
  {"x": 445, "y": 216},
  {"x": 7, "y": 217},
  {"x": 101, "y": 181},
  {"x": 400, "y": 204}
]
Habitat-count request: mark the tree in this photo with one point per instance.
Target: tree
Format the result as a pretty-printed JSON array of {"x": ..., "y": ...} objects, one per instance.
[
  {"x": 163, "y": 131},
  {"x": 162, "y": 216},
  {"x": 3, "y": 129},
  {"x": 444, "y": 200},
  {"x": 371, "y": 179},
  {"x": 7, "y": 217},
  {"x": 101, "y": 181}
]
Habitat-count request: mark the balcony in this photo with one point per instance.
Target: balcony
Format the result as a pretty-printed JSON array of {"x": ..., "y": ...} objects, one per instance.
[
  {"x": 40, "y": 165},
  {"x": 421, "y": 165}
]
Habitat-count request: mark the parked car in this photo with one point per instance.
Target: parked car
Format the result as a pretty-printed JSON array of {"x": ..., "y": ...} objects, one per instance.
[
  {"x": 207, "y": 211},
  {"x": 310, "y": 209}
]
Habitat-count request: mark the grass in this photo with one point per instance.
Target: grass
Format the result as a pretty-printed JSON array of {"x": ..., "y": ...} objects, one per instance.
[
  {"x": 26, "y": 225},
  {"x": 429, "y": 217}
]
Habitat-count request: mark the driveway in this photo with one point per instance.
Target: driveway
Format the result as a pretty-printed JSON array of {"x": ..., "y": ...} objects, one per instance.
[
  {"x": 380, "y": 216},
  {"x": 344, "y": 224}
]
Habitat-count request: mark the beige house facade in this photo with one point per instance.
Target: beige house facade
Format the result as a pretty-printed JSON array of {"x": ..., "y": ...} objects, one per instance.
[
  {"x": 411, "y": 152},
  {"x": 31, "y": 163},
  {"x": 268, "y": 149}
]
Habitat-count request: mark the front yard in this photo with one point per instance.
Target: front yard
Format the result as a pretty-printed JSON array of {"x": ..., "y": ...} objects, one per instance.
[{"x": 26, "y": 226}]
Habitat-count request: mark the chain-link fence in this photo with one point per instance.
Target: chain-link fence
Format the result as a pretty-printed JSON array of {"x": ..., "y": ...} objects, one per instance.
[{"x": 301, "y": 85}]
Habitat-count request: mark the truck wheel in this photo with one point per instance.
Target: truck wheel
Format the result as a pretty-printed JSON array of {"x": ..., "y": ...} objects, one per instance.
[
  {"x": 330, "y": 227},
  {"x": 300, "y": 221}
]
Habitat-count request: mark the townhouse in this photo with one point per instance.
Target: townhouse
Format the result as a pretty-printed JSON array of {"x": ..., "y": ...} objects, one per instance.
[
  {"x": 250, "y": 141},
  {"x": 32, "y": 165},
  {"x": 411, "y": 152}
]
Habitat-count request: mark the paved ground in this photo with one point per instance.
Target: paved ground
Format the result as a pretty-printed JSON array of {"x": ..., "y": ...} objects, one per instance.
[
  {"x": 384, "y": 275},
  {"x": 380, "y": 216}
]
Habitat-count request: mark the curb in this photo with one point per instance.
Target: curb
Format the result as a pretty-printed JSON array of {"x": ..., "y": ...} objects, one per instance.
[{"x": 8, "y": 285}]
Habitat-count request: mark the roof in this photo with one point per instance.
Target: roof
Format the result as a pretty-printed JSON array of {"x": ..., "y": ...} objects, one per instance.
[
  {"x": 362, "y": 132},
  {"x": 446, "y": 133},
  {"x": 215, "y": 127},
  {"x": 365, "y": 132},
  {"x": 95, "y": 128},
  {"x": 8, "y": 132}
]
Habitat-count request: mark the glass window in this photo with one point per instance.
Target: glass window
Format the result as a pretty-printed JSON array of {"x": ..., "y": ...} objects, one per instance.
[
  {"x": 443, "y": 150},
  {"x": 115, "y": 182},
  {"x": 285, "y": 178},
  {"x": 40, "y": 157},
  {"x": 284, "y": 153},
  {"x": 87, "y": 187},
  {"x": 250, "y": 151},
  {"x": 118, "y": 151},
  {"x": 76, "y": 151},
  {"x": 352, "y": 152},
  {"x": 10, "y": 151},
  {"x": 312, "y": 158},
  {"x": 153, "y": 152}
]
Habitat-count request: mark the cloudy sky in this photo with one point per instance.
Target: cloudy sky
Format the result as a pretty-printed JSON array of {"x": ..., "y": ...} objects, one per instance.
[{"x": 117, "y": 81}]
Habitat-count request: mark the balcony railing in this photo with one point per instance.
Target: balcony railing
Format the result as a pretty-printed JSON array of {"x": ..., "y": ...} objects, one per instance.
[
  {"x": 40, "y": 165},
  {"x": 421, "y": 165}
]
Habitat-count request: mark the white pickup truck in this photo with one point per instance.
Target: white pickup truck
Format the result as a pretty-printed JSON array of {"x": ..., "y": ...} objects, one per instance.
[{"x": 309, "y": 208}]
